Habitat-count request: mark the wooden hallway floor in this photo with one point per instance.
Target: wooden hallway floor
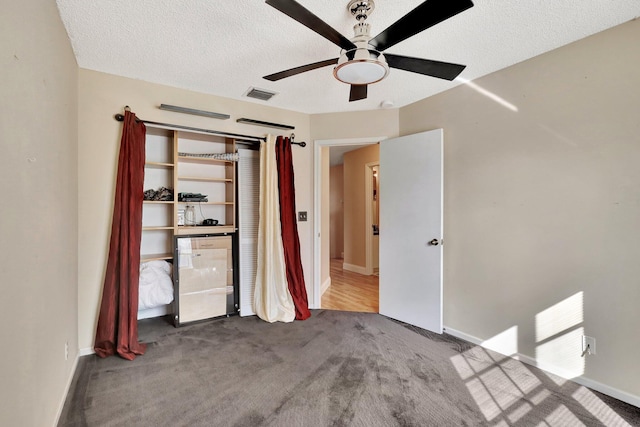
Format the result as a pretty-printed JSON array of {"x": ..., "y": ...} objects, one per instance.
[{"x": 350, "y": 291}]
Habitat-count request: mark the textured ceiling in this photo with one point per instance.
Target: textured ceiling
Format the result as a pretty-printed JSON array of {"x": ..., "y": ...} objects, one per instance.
[{"x": 225, "y": 47}]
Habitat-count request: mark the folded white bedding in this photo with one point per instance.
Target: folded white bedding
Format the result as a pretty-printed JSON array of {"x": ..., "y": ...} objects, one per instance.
[{"x": 156, "y": 286}]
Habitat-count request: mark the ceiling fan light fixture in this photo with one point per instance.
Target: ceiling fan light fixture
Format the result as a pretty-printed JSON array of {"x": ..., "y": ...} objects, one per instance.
[
  {"x": 365, "y": 67},
  {"x": 361, "y": 63}
]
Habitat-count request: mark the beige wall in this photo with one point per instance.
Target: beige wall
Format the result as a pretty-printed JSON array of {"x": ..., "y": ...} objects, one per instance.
[
  {"x": 541, "y": 204},
  {"x": 359, "y": 124},
  {"x": 355, "y": 204},
  {"x": 103, "y": 95},
  {"x": 344, "y": 128},
  {"x": 336, "y": 202},
  {"x": 38, "y": 122}
]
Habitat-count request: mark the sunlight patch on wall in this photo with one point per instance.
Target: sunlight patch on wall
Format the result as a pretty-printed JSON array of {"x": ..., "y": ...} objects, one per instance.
[
  {"x": 557, "y": 135},
  {"x": 488, "y": 94},
  {"x": 598, "y": 408},
  {"x": 560, "y": 339},
  {"x": 505, "y": 342},
  {"x": 563, "y": 353},
  {"x": 560, "y": 317},
  {"x": 508, "y": 393}
]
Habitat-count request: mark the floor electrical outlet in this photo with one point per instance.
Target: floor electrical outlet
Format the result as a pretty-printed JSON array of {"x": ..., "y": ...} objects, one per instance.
[{"x": 588, "y": 346}]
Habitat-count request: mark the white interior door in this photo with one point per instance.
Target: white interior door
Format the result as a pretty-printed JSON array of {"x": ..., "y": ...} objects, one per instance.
[{"x": 411, "y": 229}]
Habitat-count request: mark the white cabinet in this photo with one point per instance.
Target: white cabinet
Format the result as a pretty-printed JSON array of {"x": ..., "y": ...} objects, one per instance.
[{"x": 204, "y": 282}]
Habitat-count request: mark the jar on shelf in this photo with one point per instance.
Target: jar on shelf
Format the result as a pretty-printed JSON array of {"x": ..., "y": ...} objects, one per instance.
[{"x": 190, "y": 216}]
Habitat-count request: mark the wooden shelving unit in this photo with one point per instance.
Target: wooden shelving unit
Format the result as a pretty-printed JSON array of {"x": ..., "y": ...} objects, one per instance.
[
  {"x": 164, "y": 167},
  {"x": 162, "y": 231}
]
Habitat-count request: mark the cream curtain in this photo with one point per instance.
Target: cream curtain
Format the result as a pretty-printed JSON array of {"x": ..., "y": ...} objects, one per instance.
[{"x": 272, "y": 300}]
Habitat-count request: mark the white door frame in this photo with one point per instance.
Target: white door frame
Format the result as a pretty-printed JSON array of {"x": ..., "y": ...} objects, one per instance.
[
  {"x": 368, "y": 233},
  {"x": 317, "y": 220}
]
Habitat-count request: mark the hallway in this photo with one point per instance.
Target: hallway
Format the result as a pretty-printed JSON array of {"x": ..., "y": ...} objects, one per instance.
[{"x": 350, "y": 291}]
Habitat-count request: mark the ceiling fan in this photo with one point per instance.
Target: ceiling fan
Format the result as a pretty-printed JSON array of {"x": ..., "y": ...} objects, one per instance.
[{"x": 361, "y": 61}]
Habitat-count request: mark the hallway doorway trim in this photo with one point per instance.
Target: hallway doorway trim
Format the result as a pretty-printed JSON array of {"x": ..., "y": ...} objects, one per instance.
[{"x": 317, "y": 206}]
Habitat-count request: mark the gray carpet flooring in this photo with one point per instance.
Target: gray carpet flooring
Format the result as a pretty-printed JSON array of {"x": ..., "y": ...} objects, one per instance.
[{"x": 334, "y": 369}]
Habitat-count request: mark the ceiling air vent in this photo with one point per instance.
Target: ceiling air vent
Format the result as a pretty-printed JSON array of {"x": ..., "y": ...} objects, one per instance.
[{"x": 261, "y": 94}]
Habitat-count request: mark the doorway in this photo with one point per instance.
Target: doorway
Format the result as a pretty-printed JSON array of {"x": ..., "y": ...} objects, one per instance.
[
  {"x": 411, "y": 226},
  {"x": 325, "y": 270},
  {"x": 372, "y": 217},
  {"x": 351, "y": 285}
]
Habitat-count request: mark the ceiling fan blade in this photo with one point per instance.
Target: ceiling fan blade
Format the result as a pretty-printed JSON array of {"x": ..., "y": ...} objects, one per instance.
[
  {"x": 441, "y": 70},
  {"x": 357, "y": 92},
  {"x": 301, "y": 69},
  {"x": 428, "y": 14},
  {"x": 298, "y": 12}
]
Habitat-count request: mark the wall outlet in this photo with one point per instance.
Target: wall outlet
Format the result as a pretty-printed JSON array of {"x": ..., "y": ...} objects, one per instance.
[
  {"x": 588, "y": 346},
  {"x": 66, "y": 351},
  {"x": 302, "y": 216}
]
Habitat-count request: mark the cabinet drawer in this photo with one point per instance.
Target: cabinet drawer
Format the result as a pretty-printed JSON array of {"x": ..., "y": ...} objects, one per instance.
[
  {"x": 213, "y": 242},
  {"x": 204, "y": 269},
  {"x": 203, "y": 305}
]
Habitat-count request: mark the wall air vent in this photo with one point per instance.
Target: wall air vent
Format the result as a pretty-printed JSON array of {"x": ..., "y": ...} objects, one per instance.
[{"x": 261, "y": 94}]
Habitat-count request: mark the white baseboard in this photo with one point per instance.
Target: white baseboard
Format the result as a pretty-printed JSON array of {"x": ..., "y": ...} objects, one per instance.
[
  {"x": 325, "y": 285},
  {"x": 355, "y": 268},
  {"x": 582, "y": 380},
  {"x": 66, "y": 389},
  {"x": 86, "y": 351}
]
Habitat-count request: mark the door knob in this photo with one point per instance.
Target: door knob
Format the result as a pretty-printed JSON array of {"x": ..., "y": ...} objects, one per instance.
[{"x": 434, "y": 242}]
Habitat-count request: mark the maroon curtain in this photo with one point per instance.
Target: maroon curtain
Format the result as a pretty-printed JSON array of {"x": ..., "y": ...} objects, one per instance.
[
  {"x": 117, "y": 330},
  {"x": 290, "y": 239}
]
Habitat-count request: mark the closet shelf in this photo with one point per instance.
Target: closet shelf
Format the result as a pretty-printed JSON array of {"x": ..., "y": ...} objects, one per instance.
[
  {"x": 199, "y": 229},
  {"x": 158, "y": 165},
  {"x": 155, "y": 257},
  {"x": 204, "y": 179},
  {"x": 208, "y": 203}
]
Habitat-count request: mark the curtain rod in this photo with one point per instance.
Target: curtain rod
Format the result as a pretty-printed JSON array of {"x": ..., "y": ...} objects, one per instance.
[
  {"x": 120, "y": 118},
  {"x": 251, "y": 138}
]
